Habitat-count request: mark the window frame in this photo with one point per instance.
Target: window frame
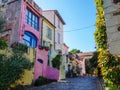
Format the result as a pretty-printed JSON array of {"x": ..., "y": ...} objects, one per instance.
[
  {"x": 4, "y": 1},
  {"x": 32, "y": 19},
  {"x": 33, "y": 40},
  {"x": 59, "y": 38},
  {"x": 49, "y": 33}
]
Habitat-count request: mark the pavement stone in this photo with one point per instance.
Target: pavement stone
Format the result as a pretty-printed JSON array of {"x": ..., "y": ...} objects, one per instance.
[{"x": 79, "y": 83}]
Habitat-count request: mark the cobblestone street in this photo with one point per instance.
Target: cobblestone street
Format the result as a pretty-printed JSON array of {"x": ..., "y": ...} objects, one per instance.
[{"x": 79, "y": 83}]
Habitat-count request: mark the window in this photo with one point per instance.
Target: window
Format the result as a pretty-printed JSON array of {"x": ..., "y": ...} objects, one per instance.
[
  {"x": 59, "y": 23},
  {"x": 4, "y": 1},
  {"x": 49, "y": 33},
  {"x": 32, "y": 19},
  {"x": 30, "y": 40},
  {"x": 59, "y": 38}
]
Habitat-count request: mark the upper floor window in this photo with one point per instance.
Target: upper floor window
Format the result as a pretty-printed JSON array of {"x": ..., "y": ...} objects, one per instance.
[
  {"x": 4, "y": 1},
  {"x": 59, "y": 23},
  {"x": 32, "y": 19},
  {"x": 59, "y": 38},
  {"x": 29, "y": 39},
  {"x": 49, "y": 33},
  {"x": 116, "y": 1}
]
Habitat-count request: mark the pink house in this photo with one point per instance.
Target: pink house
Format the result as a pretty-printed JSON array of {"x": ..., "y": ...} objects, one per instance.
[{"x": 24, "y": 19}]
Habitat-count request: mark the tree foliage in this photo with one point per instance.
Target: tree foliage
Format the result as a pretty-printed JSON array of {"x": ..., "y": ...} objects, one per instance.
[
  {"x": 74, "y": 51},
  {"x": 57, "y": 61},
  {"x": 3, "y": 44},
  {"x": 12, "y": 67}
]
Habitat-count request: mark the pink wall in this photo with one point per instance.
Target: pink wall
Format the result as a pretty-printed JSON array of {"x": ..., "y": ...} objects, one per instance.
[
  {"x": 24, "y": 26},
  {"x": 52, "y": 73},
  {"x": 40, "y": 69},
  {"x": 40, "y": 54},
  {"x": 65, "y": 49}
]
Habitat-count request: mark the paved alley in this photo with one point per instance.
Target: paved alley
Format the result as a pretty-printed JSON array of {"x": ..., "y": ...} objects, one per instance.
[{"x": 79, "y": 83}]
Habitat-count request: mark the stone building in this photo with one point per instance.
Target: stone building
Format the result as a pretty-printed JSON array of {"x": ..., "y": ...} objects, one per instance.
[{"x": 112, "y": 19}]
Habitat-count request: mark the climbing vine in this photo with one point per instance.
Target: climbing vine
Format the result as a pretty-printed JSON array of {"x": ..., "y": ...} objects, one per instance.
[
  {"x": 100, "y": 33},
  {"x": 109, "y": 64}
]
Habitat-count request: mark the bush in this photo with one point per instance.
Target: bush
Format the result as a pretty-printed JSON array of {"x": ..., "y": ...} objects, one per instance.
[
  {"x": 3, "y": 44},
  {"x": 56, "y": 61},
  {"x": 41, "y": 81},
  {"x": 12, "y": 68}
]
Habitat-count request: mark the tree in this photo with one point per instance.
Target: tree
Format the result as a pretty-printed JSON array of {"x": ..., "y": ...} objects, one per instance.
[
  {"x": 75, "y": 51},
  {"x": 13, "y": 67}
]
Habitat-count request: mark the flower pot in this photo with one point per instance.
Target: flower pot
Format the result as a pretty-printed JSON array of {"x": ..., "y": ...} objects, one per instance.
[
  {"x": 47, "y": 48},
  {"x": 40, "y": 47}
]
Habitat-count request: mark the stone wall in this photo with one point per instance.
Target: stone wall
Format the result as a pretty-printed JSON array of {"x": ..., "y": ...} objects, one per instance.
[
  {"x": 112, "y": 18},
  {"x": 11, "y": 13}
]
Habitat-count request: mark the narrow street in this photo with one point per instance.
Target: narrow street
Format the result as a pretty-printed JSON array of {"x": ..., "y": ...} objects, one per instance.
[{"x": 79, "y": 83}]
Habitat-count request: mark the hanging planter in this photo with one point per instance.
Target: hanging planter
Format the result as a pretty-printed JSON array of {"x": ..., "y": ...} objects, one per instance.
[
  {"x": 40, "y": 47},
  {"x": 47, "y": 48}
]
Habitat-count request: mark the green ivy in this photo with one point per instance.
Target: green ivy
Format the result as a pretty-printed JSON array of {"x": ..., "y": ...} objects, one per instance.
[
  {"x": 110, "y": 69},
  {"x": 109, "y": 64},
  {"x": 100, "y": 33}
]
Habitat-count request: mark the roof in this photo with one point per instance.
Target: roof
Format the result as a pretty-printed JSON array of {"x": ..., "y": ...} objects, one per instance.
[
  {"x": 65, "y": 45},
  {"x": 85, "y": 54},
  {"x": 48, "y": 21},
  {"x": 58, "y": 14}
]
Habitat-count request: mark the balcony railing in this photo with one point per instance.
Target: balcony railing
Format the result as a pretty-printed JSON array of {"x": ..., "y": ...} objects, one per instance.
[
  {"x": 30, "y": 1},
  {"x": 36, "y": 6}
]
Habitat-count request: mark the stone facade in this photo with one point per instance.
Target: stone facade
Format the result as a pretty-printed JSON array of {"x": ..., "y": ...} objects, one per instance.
[
  {"x": 11, "y": 13},
  {"x": 112, "y": 19}
]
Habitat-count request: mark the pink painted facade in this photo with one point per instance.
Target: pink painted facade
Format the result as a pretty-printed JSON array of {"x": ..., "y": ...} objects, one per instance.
[
  {"x": 65, "y": 49},
  {"x": 52, "y": 73},
  {"x": 26, "y": 27},
  {"x": 40, "y": 68},
  {"x": 15, "y": 13}
]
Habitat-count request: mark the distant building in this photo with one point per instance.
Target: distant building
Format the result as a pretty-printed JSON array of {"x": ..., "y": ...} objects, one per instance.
[
  {"x": 77, "y": 62},
  {"x": 64, "y": 64},
  {"x": 112, "y": 19},
  {"x": 82, "y": 59}
]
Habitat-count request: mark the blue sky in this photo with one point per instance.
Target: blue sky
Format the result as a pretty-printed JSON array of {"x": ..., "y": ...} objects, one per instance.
[{"x": 77, "y": 14}]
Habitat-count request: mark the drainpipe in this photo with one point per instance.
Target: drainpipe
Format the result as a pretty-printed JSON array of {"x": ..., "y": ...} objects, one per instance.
[
  {"x": 42, "y": 31},
  {"x": 54, "y": 33}
]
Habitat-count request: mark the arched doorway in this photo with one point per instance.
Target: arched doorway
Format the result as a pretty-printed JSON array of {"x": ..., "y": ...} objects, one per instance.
[{"x": 29, "y": 39}]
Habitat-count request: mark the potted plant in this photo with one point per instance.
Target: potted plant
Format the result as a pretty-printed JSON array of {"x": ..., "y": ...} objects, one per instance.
[
  {"x": 40, "y": 47},
  {"x": 47, "y": 48}
]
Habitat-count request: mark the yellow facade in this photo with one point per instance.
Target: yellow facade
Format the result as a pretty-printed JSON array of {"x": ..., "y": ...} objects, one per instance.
[
  {"x": 46, "y": 41},
  {"x": 28, "y": 75}
]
